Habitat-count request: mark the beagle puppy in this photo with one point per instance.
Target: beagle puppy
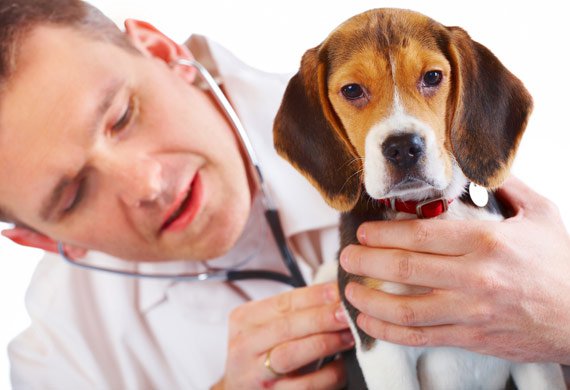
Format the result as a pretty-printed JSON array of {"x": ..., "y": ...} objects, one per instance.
[{"x": 395, "y": 116}]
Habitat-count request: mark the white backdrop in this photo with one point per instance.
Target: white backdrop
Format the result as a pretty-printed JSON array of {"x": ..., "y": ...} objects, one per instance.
[{"x": 530, "y": 38}]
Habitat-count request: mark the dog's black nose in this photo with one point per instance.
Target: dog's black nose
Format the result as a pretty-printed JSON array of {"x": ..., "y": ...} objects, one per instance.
[{"x": 403, "y": 150}]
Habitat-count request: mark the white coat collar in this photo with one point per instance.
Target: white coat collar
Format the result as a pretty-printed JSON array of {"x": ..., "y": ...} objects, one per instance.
[{"x": 256, "y": 97}]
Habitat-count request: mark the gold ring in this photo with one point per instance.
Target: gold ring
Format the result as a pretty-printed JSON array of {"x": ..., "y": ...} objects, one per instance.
[{"x": 267, "y": 364}]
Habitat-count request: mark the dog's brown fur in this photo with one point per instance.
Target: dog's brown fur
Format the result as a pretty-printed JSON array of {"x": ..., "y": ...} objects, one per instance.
[
  {"x": 478, "y": 113},
  {"x": 323, "y": 137}
]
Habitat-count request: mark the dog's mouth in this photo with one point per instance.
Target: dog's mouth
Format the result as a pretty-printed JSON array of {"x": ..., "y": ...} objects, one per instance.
[
  {"x": 410, "y": 184},
  {"x": 412, "y": 188}
]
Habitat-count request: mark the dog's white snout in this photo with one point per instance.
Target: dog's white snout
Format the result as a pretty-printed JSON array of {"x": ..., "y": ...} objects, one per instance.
[{"x": 397, "y": 147}]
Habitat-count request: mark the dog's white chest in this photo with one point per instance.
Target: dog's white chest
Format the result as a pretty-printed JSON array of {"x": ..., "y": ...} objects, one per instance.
[
  {"x": 390, "y": 366},
  {"x": 394, "y": 367}
]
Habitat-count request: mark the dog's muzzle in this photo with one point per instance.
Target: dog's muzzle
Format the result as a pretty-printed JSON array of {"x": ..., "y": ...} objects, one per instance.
[{"x": 403, "y": 150}]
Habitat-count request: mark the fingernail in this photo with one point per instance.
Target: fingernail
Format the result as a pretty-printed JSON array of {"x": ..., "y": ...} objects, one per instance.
[
  {"x": 331, "y": 294},
  {"x": 340, "y": 315},
  {"x": 348, "y": 292},
  {"x": 361, "y": 235},
  {"x": 344, "y": 259},
  {"x": 8, "y": 233},
  {"x": 361, "y": 320},
  {"x": 347, "y": 338}
]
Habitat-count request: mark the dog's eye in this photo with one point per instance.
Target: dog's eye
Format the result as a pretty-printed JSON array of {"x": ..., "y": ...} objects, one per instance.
[
  {"x": 432, "y": 78},
  {"x": 352, "y": 91}
]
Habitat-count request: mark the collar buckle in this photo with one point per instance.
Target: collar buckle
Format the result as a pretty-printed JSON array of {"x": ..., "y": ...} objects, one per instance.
[{"x": 429, "y": 206}]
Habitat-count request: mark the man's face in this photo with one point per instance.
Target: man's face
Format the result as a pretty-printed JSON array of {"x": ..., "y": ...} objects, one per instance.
[{"x": 107, "y": 150}]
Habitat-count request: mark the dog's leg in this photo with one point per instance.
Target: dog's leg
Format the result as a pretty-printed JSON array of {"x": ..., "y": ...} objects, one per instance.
[
  {"x": 538, "y": 376},
  {"x": 386, "y": 366},
  {"x": 389, "y": 366},
  {"x": 326, "y": 273},
  {"x": 448, "y": 368}
]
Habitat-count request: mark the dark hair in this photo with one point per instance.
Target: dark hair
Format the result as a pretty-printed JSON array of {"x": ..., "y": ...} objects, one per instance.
[{"x": 19, "y": 17}]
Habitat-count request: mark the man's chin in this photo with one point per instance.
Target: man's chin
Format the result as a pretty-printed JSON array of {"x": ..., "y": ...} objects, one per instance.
[
  {"x": 201, "y": 244},
  {"x": 205, "y": 250}
]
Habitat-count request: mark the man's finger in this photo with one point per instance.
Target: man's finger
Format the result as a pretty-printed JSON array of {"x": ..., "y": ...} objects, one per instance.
[
  {"x": 332, "y": 376},
  {"x": 396, "y": 265},
  {"x": 445, "y": 237},
  {"x": 256, "y": 313},
  {"x": 443, "y": 335},
  {"x": 430, "y": 309},
  {"x": 299, "y": 324},
  {"x": 293, "y": 355}
]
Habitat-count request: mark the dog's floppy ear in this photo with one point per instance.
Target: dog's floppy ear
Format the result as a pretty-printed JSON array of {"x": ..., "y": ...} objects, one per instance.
[
  {"x": 490, "y": 109},
  {"x": 308, "y": 134}
]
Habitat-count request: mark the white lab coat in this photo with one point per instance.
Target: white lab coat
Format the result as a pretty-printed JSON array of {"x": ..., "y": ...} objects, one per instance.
[{"x": 94, "y": 330}]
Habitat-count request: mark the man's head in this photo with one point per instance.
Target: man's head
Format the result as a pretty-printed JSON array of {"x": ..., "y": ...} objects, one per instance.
[
  {"x": 18, "y": 18},
  {"x": 105, "y": 146}
]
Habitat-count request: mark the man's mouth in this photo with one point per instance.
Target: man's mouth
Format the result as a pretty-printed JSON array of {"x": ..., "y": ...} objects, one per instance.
[{"x": 184, "y": 208}]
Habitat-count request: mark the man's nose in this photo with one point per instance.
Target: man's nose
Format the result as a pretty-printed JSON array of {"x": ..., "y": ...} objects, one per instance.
[{"x": 137, "y": 180}]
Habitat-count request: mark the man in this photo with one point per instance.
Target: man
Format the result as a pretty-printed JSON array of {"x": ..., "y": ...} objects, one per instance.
[
  {"x": 112, "y": 148},
  {"x": 99, "y": 144}
]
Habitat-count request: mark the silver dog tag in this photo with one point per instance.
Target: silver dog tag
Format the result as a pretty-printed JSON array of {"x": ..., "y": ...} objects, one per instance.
[{"x": 478, "y": 194}]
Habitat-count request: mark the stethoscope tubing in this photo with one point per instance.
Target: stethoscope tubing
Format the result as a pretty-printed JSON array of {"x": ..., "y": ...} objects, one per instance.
[{"x": 295, "y": 279}]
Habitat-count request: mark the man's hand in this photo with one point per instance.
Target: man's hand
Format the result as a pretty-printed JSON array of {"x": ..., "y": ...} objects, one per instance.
[
  {"x": 296, "y": 328},
  {"x": 499, "y": 288}
]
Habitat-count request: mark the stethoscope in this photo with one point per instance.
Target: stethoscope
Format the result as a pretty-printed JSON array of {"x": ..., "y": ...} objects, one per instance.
[{"x": 234, "y": 273}]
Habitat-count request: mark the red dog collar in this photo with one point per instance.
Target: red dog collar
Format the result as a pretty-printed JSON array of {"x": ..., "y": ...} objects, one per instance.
[{"x": 430, "y": 208}]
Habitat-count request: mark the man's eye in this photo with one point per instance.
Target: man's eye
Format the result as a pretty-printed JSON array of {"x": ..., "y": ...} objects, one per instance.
[
  {"x": 125, "y": 119},
  {"x": 74, "y": 198}
]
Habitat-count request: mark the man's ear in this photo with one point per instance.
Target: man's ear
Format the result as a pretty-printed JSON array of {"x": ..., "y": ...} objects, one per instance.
[
  {"x": 28, "y": 237},
  {"x": 152, "y": 43}
]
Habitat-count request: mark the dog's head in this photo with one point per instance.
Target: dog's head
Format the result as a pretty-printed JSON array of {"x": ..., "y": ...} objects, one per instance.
[{"x": 404, "y": 105}]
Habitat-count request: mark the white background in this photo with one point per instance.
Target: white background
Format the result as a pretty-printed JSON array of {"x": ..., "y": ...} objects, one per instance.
[{"x": 531, "y": 39}]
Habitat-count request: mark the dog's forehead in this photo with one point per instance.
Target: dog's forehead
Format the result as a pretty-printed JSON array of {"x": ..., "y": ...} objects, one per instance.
[{"x": 381, "y": 30}]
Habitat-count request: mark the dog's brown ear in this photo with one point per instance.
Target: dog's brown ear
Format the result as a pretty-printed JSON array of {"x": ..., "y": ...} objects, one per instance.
[
  {"x": 308, "y": 134},
  {"x": 489, "y": 108}
]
